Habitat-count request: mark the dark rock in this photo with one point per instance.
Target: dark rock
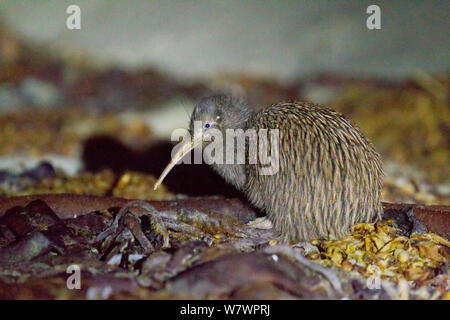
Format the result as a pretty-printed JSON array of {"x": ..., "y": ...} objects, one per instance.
[
  {"x": 25, "y": 249},
  {"x": 405, "y": 221},
  {"x": 239, "y": 271}
]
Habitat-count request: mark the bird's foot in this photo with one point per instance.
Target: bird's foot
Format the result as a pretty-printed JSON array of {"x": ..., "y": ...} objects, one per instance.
[
  {"x": 305, "y": 247},
  {"x": 127, "y": 219},
  {"x": 261, "y": 223}
]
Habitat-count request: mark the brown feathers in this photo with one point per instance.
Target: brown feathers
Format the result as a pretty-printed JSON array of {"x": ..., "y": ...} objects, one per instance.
[{"x": 330, "y": 175}]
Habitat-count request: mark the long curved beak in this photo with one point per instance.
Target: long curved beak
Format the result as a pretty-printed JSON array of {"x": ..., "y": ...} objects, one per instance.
[{"x": 185, "y": 149}]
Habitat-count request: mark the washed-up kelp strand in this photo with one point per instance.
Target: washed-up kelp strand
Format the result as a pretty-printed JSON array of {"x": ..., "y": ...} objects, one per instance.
[
  {"x": 71, "y": 205},
  {"x": 435, "y": 218}
]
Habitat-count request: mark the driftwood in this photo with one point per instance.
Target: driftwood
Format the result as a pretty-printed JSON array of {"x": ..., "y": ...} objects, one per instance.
[{"x": 72, "y": 205}]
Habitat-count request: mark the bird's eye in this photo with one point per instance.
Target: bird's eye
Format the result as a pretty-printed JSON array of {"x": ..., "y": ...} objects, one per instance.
[{"x": 207, "y": 125}]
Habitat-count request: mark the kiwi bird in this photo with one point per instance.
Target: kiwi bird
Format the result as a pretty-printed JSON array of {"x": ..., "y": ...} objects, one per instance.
[{"x": 329, "y": 176}]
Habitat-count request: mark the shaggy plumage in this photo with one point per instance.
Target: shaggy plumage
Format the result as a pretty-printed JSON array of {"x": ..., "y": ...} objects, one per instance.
[{"x": 329, "y": 177}]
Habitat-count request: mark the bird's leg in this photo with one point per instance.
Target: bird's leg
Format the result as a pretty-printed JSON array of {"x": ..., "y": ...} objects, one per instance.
[
  {"x": 264, "y": 223},
  {"x": 128, "y": 217},
  {"x": 261, "y": 223},
  {"x": 306, "y": 247}
]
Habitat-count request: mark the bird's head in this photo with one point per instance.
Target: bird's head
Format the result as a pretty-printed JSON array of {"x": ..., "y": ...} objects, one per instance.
[{"x": 216, "y": 112}]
